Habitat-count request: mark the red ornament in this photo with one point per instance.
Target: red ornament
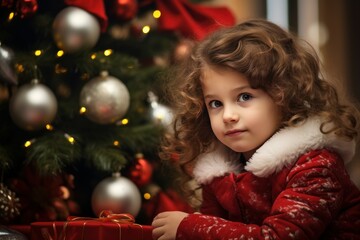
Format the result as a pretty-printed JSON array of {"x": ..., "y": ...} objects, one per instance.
[
  {"x": 141, "y": 171},
  {"x": 27, "y": 8},
  {"x": 125, "y": 9}
]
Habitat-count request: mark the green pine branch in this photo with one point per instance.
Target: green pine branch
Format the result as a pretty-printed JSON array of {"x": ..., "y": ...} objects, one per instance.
[
  {"x": 104, "y": 158},
  {"x": 52, "y": 152}
]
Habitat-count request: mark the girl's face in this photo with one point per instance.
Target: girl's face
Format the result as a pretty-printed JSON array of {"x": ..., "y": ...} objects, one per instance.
[{"x": 242, "y": 118}]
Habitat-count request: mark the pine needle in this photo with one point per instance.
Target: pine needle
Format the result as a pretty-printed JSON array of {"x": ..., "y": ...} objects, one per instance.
[{"x": 51, "y": 153}]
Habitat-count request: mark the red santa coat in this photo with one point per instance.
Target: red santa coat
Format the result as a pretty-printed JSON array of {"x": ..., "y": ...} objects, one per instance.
[{"x": 294, "y": 187}]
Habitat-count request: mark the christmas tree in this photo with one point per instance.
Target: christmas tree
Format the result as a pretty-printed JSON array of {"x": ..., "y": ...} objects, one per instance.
[{"x": 80, "y": 103}]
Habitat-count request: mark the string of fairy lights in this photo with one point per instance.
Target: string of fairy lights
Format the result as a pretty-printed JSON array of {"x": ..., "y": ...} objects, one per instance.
[
  {"x": 107, "y": 53},
  {"x": 145, "y": 29}
]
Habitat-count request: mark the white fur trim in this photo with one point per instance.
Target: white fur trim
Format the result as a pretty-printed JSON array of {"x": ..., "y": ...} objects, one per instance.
[
  {"x": 282, "y": 149},
  {"x": 216, "y": 163}
]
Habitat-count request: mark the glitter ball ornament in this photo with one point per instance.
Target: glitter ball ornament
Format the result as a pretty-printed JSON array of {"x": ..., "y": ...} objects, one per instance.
[
  {"x": 105, "y": 98},
  {"x": 75, "y": 30},
  {"x": 9, "y": 204},
  {"x": 118, "y": 194},
  {"x": 33, "y": 106}
]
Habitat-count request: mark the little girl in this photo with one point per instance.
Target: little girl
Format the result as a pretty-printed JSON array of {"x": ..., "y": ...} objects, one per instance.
[{"x": 265, "y": 137}]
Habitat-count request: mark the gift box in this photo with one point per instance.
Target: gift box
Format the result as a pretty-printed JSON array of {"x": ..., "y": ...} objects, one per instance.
[{"x": 90, "y": 229}]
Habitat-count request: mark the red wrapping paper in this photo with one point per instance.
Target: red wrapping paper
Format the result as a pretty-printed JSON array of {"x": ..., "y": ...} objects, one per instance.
[{"x": 89, "y": 230}]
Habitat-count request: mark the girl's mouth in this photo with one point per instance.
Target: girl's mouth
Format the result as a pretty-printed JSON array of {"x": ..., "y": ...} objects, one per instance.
[{"x": 234, "y": 132}]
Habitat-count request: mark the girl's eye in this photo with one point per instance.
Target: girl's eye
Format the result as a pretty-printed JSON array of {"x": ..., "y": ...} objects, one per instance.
[
  {"x": 244, "y": 97},
  {"x": 214, "y": 104}
]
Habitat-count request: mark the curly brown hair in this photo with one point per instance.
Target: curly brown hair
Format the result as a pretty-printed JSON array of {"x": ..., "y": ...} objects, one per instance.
[{"x": 272, "y": 59}]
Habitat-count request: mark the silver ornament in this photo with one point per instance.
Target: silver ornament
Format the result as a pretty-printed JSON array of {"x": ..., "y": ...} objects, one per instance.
[
  {"x": 33, "y": 106},
  {"x": 10, "y": 234},
  {"x": 7, "y": 72},
  {"x": 118, "y": 194},
  {"x": 159, "y": 113},
  {"x": 75, "y": 30},
  {"x": 105, "y": 98}
]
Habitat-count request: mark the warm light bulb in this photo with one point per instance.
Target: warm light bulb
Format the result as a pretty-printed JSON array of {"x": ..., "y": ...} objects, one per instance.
[
  {"x": 82, "y": 110},
  {"x": 116, "y": 143},
  {"x": 69, "y": 138},
  {"x": 108, "y": 52},
  {"x": 49, "y": 127},
  {"x": 146, "y": 29},
  {"x": 27, "y": 144},
  {"x": 93, "y": 56},
  {"x": 157, "y": 14},
  {"x": 60, "y": 53},
  {"x": 38, "y": 52},
  {"x": 11, "y": 16},
  {"x": 147, "y": 196}
]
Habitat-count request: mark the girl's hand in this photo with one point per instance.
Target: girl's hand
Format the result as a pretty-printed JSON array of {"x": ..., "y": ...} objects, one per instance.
[{"x": 166, "y": 223}]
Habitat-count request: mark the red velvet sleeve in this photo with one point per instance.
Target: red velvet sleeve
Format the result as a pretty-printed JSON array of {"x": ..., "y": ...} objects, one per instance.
[{"x": 211, "y": 205}]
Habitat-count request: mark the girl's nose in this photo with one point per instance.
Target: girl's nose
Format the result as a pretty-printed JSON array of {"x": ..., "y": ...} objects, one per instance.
[{"x": 230, "y": 115}]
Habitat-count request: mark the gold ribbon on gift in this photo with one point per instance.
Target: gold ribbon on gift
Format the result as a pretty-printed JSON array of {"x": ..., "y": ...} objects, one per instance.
[
  {"x": 46, "y": 234},
  {"x": 104, "y": 216},
  {"x": 108, "y": 216}
]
